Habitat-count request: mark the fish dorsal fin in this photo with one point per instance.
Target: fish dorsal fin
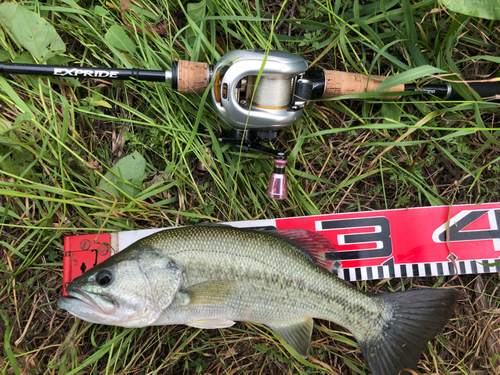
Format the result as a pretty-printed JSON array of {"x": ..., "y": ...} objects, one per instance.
[
  {"x": 211, "y": 323},
  {"x": 314, "y": 244},
  {"x": 209, "y": 224},
  {"x": 297, "y": 334},
  {"x": 208, "y": 293}
]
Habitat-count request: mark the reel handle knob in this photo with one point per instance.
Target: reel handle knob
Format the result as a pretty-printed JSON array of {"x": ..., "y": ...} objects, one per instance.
[{"x": 276, "y": 188}]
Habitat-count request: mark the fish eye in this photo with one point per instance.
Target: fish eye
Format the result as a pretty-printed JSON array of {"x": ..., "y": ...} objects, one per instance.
[{"x": 103, "y": 278}]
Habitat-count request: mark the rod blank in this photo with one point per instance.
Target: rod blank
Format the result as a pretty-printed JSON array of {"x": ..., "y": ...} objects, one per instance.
[{"x": 85, "y": 72}]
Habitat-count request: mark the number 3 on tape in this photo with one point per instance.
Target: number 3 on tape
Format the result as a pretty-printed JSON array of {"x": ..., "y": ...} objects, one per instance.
[{"x": 373, "y": 243}]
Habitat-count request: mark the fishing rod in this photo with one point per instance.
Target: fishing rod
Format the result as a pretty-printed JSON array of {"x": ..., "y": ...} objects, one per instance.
[{"x": 256, "y": 93}]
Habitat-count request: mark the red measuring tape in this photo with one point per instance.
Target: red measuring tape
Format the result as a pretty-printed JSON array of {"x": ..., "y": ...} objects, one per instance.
[{"x": 370, "y": 245}]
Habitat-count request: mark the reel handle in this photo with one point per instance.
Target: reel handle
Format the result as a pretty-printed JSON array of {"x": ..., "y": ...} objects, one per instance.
[{"x": 343, "y": 83}]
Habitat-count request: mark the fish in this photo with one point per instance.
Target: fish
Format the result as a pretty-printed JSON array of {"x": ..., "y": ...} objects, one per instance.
[{"x": 211, "y": 276}]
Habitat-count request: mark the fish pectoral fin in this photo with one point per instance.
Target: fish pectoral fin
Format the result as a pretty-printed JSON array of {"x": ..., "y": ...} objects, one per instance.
[
  {"x": 208, "y": 293},
  {"x": 163, "y": 278},
  {"x": 211, "y": 323},
  {"x": 297, "y": 334}
]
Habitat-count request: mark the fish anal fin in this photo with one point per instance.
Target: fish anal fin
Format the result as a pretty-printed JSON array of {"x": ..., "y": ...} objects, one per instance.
[
  {"x": 208, "y": 293},
  {"x": 211, "y": 323},
  {"x": 297, "y": 334},
  {"x": 314, "y": 244}
]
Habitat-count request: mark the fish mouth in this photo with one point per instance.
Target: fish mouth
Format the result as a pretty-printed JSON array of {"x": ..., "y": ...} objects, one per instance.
[{"x": 83, "y": 304}]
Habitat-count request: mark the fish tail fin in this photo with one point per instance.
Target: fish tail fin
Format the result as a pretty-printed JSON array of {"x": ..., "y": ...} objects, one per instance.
[{"x": 418, "y": 316}]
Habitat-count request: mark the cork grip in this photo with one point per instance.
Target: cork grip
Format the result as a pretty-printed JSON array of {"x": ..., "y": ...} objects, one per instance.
[
  {"x": 343, "y": 83},
  {"x": 192, "y": 77}
]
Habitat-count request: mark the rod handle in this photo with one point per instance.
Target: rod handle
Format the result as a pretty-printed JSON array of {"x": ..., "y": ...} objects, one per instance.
[
  {"x": 189, "y": 77},
  {"x": 343, "y": 83}
]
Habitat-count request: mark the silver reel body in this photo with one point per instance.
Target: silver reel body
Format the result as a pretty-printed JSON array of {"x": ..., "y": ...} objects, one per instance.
[{"x": 272, "y": 105}]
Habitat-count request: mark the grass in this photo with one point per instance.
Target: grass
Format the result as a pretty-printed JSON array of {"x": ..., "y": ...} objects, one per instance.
[{"x": 344, "y": 156}]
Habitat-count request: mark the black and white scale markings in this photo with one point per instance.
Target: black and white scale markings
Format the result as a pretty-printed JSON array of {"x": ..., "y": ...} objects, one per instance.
[{"x": 390, "y": 270}]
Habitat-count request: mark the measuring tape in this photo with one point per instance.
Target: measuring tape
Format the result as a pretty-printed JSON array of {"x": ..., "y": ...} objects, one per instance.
[{"x": 369, "y": 245}]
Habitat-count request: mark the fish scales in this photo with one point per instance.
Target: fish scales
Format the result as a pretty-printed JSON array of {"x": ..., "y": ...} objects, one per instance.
[
  {"x": 211, "y": 276},
  {"x": 278, "y": 280}
]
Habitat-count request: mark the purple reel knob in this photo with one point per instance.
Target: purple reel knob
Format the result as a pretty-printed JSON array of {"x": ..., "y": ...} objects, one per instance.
[{"x": 277, "y": 183}]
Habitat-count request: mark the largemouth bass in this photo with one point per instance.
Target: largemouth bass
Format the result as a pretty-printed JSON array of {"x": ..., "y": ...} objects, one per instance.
[{"x": 212, "y": 276}]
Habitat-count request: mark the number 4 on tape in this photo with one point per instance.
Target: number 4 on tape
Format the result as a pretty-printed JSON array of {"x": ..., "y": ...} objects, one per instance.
[{"x": 466, "y": 226}]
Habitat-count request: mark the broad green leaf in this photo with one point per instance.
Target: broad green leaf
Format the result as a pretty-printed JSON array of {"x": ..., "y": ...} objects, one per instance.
[
  {"x": 59, "y": 60},
  {"x": 4, "y": 56},
  {"x": 127, "y": 174},
  {"x": 5, "y": 126},
  {"x": 489, "y": 9},
  {"x": 21, "y": 119},
  {"x": 31, "y": 31},
  {"x": 25, "y": 58},
  {"x": 391, "y": 111},
  {"x": 100, "y": 11},
  {"x": 195, "y": 11},
  {"x": 408, "y": 76},
  {"x": 17, "y": 162},
  {"x": 119, "y": 39}
]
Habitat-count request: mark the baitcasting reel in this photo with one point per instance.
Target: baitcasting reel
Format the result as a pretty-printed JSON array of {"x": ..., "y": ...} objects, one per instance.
[
  {"x": 256, "y": 94},
  {"x": 256, "y": 112}
]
